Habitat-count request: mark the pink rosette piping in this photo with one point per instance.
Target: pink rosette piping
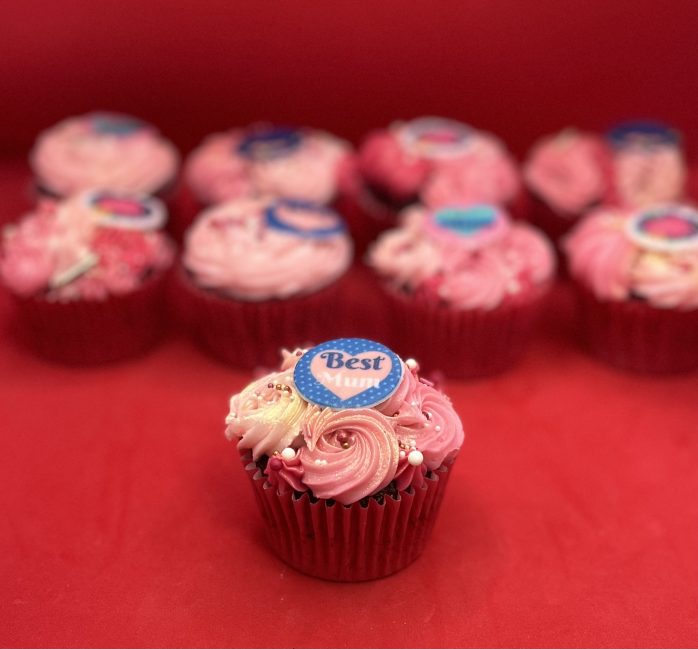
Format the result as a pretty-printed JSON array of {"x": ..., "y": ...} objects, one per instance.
[{"x": 349, "y": 454}]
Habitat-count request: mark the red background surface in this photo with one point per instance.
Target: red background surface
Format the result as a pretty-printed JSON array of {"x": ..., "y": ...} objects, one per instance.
[{"x": 124, "y": 517}]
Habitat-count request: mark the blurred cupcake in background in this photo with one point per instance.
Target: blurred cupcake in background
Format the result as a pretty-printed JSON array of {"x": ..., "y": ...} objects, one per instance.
[
  {"x": 637, "y": 279},
  {"x": 573, "y": 172},
  {"x": 566, "y": 174},
  {"x": 261, "y": 274},
  {"x": 466, "y": 285},
  {"x": 433, "y": 160},
  {"x": 106, "y": 150},
  {"x": 266, "y": 161},
  {"x": 88, "y": 275}
]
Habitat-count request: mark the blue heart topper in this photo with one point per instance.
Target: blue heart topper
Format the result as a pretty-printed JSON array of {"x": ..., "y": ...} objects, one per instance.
[
  {"x": 348, "y": 373},
  {"x": 669, "y": 228},
  {"x": 474, "y": 225},
  {"x": 125, "y": 211},
  {"x": 642, "y": 132},
  {"x": 113, "y": 124},
  {"x": 270, "y": 143},
  {"x": 304, "y": 219}
]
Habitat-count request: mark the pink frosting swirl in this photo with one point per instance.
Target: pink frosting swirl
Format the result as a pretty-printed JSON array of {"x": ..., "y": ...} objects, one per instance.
[
  {"x": 283, "y": 473},
  {"x": 613, "y": 266},
  {"x": 40, "y": 246},
  {"x": 230, "y": 248},
  {"x": 267, "y": 416},
  {"x": 414, "y": 262},
  {"x": 402, "y": 404},
  {"x": 666, "y": 281},
  {"x": 409, "y": 475},
  {"x": 404, "y": 255},
  {"x": 569, "y": 171},
  {"x": 74, "y": 155},
  {"x": 425, "y": 420},
  {"x": 601, "y": 255},
  {"x": 385, "y": 163},
  {"x": 353, "y": 469},
  {"x": 63, "y": 252},
  {"x": 482, "y": 171},
  {"x": 439, "y": 435},
  {"x": 487, "y": 174},
  {"x": 217, "y": 172},
  {"x": 647, "y": 175}
]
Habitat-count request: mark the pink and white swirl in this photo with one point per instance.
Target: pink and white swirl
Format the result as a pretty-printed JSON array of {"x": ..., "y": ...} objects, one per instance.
[{"x": 267, "y": 415}]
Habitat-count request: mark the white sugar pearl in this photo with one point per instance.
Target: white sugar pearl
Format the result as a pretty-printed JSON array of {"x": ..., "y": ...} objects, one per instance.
[
  {"x": 288, "y": 453},
  {"x": 402, "y": 453},
  {"x": 415, "y": 458},
  {"x": 412, "y": 364}
]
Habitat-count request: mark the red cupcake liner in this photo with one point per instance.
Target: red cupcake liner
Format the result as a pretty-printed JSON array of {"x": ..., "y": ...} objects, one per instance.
[
  {"x": 90, "y": 332},
  {"x": 355, "y": 542},
  {"x": 633, "y": 335},
  {"x": 248, "y": 334},
  {"x": 465, "y": 343}
]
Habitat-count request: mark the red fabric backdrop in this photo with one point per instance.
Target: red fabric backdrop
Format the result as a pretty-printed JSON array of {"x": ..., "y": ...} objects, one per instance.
[{"x": 124, "y": 519}]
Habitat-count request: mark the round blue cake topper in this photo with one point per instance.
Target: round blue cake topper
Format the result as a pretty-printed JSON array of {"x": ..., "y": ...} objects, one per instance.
[
  {"x": 644, "y": 132},
  {"x": 270, "y": 143},
  {"x": 348, "y": 373},
  {"x": 304, "y": 219},
  {"x": 115, "y": 124}
]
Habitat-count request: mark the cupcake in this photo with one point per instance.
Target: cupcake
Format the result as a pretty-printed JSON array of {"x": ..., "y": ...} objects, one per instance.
[
  {"x": 566, "y": 174},
  {"x": 348, "y": 452},
  {"x": 87, "y": 276},
  {"x": 106, "y": 150},
  {"x": 571, "y": 173},
  {"x": 465, "y": 283},
  {"x": 266, "y": 161},
  {"x": 260, "y": 274},
  {"x": 432, "y": 160},
  {"x": 637, "y": 279}
]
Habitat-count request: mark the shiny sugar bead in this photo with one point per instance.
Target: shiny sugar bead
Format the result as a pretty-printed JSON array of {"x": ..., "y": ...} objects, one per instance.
[{"x": 415, "y": 458}]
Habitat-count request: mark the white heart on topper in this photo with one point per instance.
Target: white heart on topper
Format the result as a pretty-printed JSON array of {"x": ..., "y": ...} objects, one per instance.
[{"x": 357, "y": 373}]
